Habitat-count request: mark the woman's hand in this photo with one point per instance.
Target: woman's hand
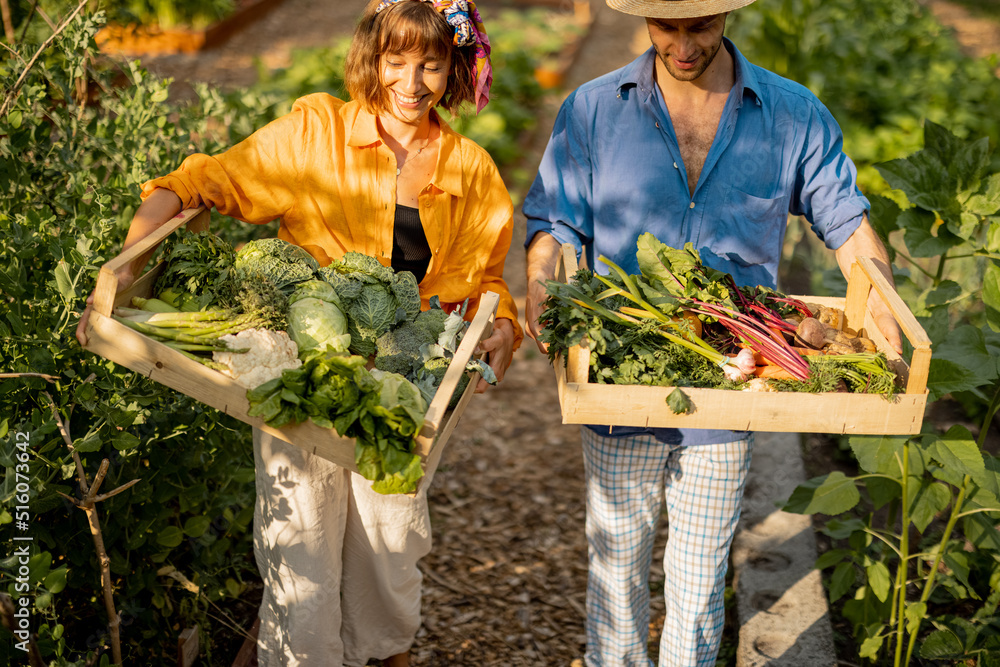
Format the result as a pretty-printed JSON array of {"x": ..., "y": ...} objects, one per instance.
[
  {"x": 155, "y": 210},
  {"x": 125, "y": 279},
  {"x": 499, "y": 349}
]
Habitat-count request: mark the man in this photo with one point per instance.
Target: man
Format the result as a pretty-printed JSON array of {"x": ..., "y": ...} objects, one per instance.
[{"x": 692, "y": 143}]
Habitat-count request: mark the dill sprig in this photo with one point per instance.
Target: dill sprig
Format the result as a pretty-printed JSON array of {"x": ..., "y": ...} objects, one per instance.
[{"x": 862, "y": 373}]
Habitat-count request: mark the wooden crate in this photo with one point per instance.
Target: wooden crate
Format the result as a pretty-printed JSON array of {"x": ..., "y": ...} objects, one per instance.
[
  {"x": 584, "y": 402},
  {"x": 117, "y": 342}
]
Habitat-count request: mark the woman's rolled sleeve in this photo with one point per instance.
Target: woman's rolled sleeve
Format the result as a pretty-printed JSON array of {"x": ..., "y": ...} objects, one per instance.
[{"x": 252, "y": 181}]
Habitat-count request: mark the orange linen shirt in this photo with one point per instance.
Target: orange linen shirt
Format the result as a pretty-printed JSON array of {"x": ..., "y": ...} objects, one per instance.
[{"x": 325, "y": 172}]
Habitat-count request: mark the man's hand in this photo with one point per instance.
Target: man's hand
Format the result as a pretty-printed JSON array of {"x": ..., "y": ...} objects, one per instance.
[
  {"x": 499, "y": 349},
  {"x": 864, "y": 242},
  {"x": 543, "y": 253}
]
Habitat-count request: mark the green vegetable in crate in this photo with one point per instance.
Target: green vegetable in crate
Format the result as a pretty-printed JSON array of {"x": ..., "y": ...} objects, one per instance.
[
  {"x": 399, "y": 349},
  {"x": 197, "y": 263},
  {"x": 374, "y": 298},
  {"x": 315, "y": 317},
  {"x": 283, "y": 264},
  {"x": 382, "y": 411}
]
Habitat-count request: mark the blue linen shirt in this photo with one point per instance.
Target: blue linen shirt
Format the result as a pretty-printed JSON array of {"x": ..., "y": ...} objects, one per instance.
[{"x": 613, "y": 170}]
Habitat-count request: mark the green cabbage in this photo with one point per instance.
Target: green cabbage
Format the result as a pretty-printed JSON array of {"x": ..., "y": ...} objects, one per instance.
[
  {"x": 284, "y": 264},
  {"x": 315, "y": 318}
]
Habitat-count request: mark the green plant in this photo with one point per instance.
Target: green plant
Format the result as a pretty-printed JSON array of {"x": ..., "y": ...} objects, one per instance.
[
  {"x": 880, "y": 77},
  {"x": 926, "y": 546},
  {"x": 178, "y": 541}
]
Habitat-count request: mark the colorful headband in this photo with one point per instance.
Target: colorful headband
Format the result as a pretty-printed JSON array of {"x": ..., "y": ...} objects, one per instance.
[{"x": 463, "y": 16}]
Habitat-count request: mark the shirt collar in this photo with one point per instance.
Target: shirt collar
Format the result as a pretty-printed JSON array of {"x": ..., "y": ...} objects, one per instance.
[
  {"x": 639, "y": 73},
  {"x": 448, "y": 172}
]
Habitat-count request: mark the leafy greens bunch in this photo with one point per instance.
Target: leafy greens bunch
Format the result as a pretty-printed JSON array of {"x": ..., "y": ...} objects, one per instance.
[
  {"x": 681, "y": 323},
  {"x": 382, "y": 411}
]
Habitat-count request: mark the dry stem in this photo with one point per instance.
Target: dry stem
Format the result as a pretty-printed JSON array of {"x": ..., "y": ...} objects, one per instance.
[
  {"x": 9, "y": 100},
  {"x": 89, "y": 505}
]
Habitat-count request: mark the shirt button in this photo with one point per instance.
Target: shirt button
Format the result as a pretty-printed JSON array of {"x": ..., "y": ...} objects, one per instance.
[
  {"x": 657, "y": 124},
  {"x": 692, "y": 204},
  {"x": 675, "y": 166}
]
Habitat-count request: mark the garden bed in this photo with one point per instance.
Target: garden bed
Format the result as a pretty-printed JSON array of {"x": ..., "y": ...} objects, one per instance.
[{"x": 143, "y": 40}]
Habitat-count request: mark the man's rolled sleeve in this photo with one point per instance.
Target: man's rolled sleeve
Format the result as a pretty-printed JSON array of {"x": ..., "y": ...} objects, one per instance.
[
  {"x": 828, "y": 193},
  {"x": 559, "y": 201}
]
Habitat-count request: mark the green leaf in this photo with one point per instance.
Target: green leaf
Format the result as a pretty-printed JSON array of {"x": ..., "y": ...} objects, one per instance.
[
  {"x": 841, "y": 529},
  {"x": 196, "y": 526},
  {"x": 946, "y": 377},
  {"x": 981, "y": 531},
  {"x": 922, "y": 178},
  {"x": 878, "y": 580},
  {"x": 14, "y": 119},
  {"x": 987, "y": 202},
  {"x": 878, "y": 454},
  {"x": 56, "y": 579},
  {"x": 966, "y": 346},
  {"x": 926, "y": 499},
  {"x": 91, "y": 443},
  {"x": 989, "y": 479},
  {"x": 830, "y": 494},
  {"x": 882, "y": 491},
  {"x": 915, "y": 614},
  {"x": 842, "y": 580},
  {"x": 958, "y": 563},
  {"x": 941, "y": 645},
  {"x": 957, "y": 450},
  {"x": 170, "y": 537},
  {"x": 679, "y": 403},
  {"x": 125, "y": 441},
  {"x": 64, "y": 283},
  {"x": 870, "y": 647},
  {"x": 831, "y": 558},
  {"x": 991, "y": 295},
  {"x": 233, "y": 587}
]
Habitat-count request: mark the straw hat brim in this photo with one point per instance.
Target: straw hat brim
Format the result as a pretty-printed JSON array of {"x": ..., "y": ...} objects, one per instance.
[{"x": 676, "y": 9}]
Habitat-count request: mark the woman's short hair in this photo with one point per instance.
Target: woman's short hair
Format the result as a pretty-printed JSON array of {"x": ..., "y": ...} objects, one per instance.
[{"x": 405, "y": 27}]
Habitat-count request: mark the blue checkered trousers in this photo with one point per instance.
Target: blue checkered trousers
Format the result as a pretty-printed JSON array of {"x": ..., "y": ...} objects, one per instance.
[{"x": 628, "y": 480}]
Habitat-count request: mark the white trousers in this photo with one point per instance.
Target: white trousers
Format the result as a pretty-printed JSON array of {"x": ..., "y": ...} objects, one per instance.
[{"x": 338, "y": 561}]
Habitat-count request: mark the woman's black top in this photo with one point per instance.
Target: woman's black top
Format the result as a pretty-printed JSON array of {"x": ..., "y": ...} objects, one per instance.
[{"x": 410, "y": 251}]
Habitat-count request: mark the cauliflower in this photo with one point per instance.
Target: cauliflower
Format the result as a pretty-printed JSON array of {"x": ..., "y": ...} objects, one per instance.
[{"x": 268, "y": 354}]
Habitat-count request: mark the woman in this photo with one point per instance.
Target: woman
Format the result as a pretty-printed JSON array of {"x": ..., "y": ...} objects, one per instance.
[{"x": 385, "y": 176}]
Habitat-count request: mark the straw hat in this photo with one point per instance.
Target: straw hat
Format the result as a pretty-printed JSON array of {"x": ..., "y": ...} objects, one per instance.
[{"x": 676, "y": 9}]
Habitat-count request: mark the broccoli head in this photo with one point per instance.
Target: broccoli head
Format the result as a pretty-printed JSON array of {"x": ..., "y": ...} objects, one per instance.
[
  {"x": 398, "y": 350},
  {"x": 431, "y": 322},
  {"x": 429, "y": 376}
]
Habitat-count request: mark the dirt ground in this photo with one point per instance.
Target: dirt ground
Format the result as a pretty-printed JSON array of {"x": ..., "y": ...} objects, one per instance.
[{"x": 505, "y": 583}]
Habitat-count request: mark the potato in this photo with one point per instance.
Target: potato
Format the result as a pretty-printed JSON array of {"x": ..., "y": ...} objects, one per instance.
[
  {"x": 839, "y": 348},
  {"x": 862, "y": 344},
  {"x": 832, "y": 316}
]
